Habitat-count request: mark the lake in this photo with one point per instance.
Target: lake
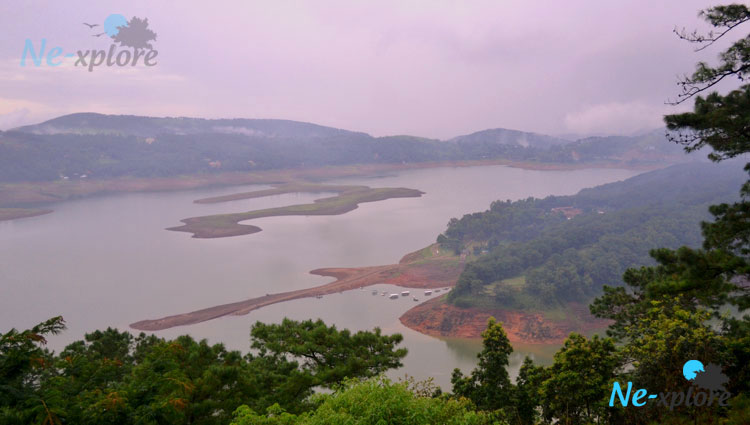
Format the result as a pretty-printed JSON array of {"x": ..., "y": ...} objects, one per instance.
[{"x": 107, "y": 261}]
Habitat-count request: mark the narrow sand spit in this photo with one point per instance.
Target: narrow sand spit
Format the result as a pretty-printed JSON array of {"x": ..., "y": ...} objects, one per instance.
[{"x": 413, "y": 271}]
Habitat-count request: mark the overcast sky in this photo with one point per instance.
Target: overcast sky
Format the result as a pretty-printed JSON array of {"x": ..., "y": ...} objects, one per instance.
[{"x": 427, "y": 68}]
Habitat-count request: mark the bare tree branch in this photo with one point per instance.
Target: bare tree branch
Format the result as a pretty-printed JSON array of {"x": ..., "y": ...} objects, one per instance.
[
  {"x": 709, "y": 38},
  {"x": 691, "y": 88}
]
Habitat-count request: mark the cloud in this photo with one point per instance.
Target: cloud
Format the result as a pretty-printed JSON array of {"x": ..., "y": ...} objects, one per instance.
[
  {"x": 616, "y": 118},
  {"x": 434, "y": 68},
  {"x": 15, "y": 118},
  {"x": 228, "y": 129}
]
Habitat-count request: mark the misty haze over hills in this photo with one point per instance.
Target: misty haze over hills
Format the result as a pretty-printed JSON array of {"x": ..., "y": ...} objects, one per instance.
[
  {"x": 133, "y": 125},
  {"x": 108, "y": 146}
]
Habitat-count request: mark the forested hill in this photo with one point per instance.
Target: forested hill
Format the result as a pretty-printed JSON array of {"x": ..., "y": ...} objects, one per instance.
[
  {"x": 132, "y": 125},
  {"x": 510, "y": 137},
  {"x": 107, "y": 146},
  {"x": 536, "y": 253}
]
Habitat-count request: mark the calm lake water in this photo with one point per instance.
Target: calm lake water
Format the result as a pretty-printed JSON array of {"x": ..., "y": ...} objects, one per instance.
[{"x": 108, "y": 261}]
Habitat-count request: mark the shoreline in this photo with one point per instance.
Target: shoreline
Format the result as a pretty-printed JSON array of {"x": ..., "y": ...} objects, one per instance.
[
  {"x": 427, "y": 268},
  {"x": 440, "y": 319},
  {"x": 18, "y": 213},
  {"x": 36, "y": 194},
  {"x": 413, "y": 271}
]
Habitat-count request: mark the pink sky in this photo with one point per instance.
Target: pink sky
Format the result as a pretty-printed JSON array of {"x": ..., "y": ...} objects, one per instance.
[{"x": 427, "y": 68}]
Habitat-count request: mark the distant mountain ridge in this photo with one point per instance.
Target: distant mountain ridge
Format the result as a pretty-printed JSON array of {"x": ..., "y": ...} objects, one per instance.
[
  {"x": 134, "y": 125},
  {"x": 109, "y": 146}
]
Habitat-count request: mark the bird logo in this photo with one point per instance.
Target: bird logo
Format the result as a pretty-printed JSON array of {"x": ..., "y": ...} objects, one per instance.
[{"x": 133, "y": 33}]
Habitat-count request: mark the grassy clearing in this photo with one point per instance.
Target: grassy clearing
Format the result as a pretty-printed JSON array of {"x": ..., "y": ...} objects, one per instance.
[
  {"x": 426, "y": 252},
  {"x": 515, "y": 283},
  {"x": 508, "y": 294}
]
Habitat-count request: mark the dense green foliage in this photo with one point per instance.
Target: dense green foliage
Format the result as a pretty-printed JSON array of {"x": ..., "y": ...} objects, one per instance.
[
  {"x": 570, "y": 260},
  {"x": 112, "y": 377},
  {"x": 573, "y": 386},
  {"x": 105, "y": 146},
  {"x": 488, "y": 385},
  {"x": 328, "y": 355},
  {"x": 372, "y": 402},
  {"x": 576, "y": 388}
]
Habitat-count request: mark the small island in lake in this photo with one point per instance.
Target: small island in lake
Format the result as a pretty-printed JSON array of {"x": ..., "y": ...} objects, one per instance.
[{"x": 347, "y": 199}]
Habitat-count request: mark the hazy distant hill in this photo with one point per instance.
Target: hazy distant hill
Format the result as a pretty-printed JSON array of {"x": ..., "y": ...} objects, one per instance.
[
  {"x": 106, "y": 146},
  {"x": 132, "y": 125},
  {"x": 510, "y": 137},
  {"x": 647, "y": 147}
]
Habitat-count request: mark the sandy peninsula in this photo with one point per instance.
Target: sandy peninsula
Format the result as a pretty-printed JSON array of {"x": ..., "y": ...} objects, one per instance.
[{"x": 426, "y": 268}]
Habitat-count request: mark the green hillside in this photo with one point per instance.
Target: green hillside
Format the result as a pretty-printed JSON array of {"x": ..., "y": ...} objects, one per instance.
[{"x": 539, "y": 253}]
